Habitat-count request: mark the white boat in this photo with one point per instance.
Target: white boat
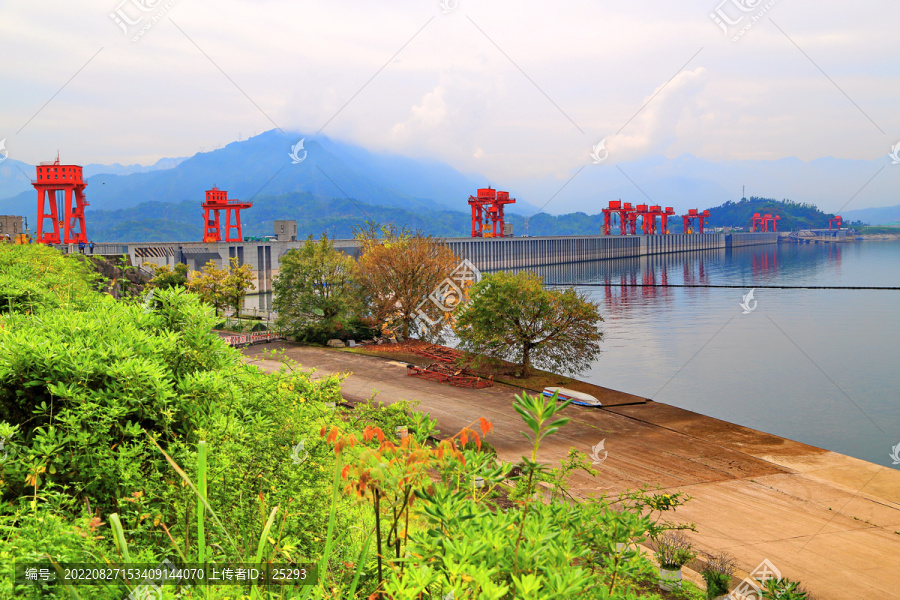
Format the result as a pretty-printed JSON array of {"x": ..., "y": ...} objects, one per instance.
[{"x": 579, "y": 398}]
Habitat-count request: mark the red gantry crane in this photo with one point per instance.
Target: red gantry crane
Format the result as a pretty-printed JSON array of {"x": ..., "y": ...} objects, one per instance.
[
  {"x": 488, "y": 219},
  {"x": 217, "y": 200},
  {"x": 693, "y": 214},
  {"x": 619, "y": 208},
  {"x": 648, "y": 216},
  {"x": 837, "y": 221},
  {"x": 66, "y": 221},
  {"x": 760, "y": 223}
]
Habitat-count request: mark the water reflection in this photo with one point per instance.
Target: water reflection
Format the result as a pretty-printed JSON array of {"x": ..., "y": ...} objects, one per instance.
[{"x": 693, "y": 347}]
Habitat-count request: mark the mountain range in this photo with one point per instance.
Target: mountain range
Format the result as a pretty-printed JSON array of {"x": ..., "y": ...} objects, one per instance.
[{"x": 331, "y": 185}]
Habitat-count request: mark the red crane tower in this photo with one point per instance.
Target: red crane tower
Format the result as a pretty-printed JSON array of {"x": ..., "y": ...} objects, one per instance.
[
  {"x": 648, "y": 216},
  {"x": 217, "y": 200},
  {"x": 621, "y": 209},
  {"x": 694, "y": 213},
  {"x": 66, "y": 220},
  {"x": 488, "y": 206},
  {"x": 756, "y": 221},
  {"x": 763, "y": 222},
  {"x": 836, "y": 220}
]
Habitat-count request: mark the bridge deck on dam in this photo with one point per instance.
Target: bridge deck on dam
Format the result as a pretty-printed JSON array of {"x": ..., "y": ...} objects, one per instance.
[{"x": 487, "y": 254}]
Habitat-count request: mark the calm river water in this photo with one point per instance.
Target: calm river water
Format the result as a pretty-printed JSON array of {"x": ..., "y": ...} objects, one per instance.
[{"x": 816, "y": 366}]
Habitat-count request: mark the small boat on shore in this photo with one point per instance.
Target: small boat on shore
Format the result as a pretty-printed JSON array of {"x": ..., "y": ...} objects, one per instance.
[{"x": 579, "y": 398}]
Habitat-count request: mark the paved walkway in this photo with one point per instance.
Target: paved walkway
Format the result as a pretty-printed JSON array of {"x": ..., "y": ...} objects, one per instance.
[{"x": 828, "y": 520}]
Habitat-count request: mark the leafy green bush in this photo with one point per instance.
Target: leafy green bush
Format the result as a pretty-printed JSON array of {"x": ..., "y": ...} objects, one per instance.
[
  {"x": 443, "y": 534},
  {"x": 36, "y": 278},
  {"x": 100, "y": 402}
]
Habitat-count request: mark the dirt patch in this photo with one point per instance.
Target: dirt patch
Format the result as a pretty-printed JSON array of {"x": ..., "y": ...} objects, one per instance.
[{"x": 417, "y": 352}]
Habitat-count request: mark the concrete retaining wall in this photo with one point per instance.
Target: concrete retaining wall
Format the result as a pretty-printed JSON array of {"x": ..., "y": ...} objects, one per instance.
[{"x": 736, "y": 240}]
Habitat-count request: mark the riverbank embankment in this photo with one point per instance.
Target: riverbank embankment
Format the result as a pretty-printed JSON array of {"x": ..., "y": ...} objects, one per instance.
[{"x": 828, "y": 520}]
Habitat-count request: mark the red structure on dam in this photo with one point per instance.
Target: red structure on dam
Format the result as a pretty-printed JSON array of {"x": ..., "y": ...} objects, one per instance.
[
  {"x": 837, "y": 220},
  {"x": 66, "y": 219},
  {"x": 762, "y": 223},
  {"x": 695, "y": 215},
  {"x": 617, "y": 207},
  {"x": 216, "y": 201},
  {"x": 488, "y": 219}
]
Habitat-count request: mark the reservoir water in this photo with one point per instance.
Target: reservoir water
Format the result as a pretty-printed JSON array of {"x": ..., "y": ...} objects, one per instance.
[{"x": 820, "y": 366}]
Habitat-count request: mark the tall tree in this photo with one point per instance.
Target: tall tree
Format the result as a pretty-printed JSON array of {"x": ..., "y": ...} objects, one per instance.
[
  {"x": 316, "y": 288},
  {"x": 514, "y": 317},
  {"x": 398, "y": 270},
  {"x": 237, "y": 282},
  {"x": 209, "y": 284}
]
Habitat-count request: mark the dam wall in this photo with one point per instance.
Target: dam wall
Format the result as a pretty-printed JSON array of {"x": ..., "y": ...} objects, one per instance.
[{"x": 487, "y": 254}]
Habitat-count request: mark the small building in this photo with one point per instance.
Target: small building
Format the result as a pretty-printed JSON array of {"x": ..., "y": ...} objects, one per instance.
[
  {"x": 11, "y": 226},
  {"x": 286, "y": 231}
]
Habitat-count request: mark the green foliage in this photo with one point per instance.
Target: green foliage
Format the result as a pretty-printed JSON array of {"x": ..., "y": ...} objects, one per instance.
[
  {"x": 236, "y": 284},
  {"x": 674, "y": 550},
  {"x": 36, "y": 278},
  {"x": 794, "y": 215},
  {"x": 101, "y": 411},
  {"x": 222, "y": 287},
  {"x": 717, "y": 574},
  {"x": 166, "y": 277},
  {"x": 316, "y": 294},
  {"x": 209, "y": 284},
  {"x": 90, "y": 383},
  {"x": 469, "y": 547},
  {"x": 514, "y": 317},
  {"x": 783, "y": 589}
]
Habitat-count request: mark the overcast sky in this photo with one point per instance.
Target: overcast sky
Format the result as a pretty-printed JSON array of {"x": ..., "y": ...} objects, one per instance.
[{"x": 506, "y": 89}]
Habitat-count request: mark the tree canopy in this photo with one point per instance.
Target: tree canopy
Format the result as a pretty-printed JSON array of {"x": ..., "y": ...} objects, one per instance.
[
  {"x": 514, "y": 317},
  {"x": 166, "y": 277},
  {"x": 398, "y": 269},
  {"x": 316, "y": 289},
  {"x": 222, "y": 287}
]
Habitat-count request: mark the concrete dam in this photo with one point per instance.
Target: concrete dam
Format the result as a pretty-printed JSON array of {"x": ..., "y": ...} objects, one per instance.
[{"x": 487, "y": 254}]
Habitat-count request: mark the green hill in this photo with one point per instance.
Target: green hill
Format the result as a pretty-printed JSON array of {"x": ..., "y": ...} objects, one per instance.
[{"x": 794, "y": 215}]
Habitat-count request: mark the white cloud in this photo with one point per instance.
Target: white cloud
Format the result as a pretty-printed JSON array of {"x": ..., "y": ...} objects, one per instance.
[
  {"x": 670, "y": 112},
  {"x": 511, "y": 89},
  {"x": 425, "y": 117}
]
